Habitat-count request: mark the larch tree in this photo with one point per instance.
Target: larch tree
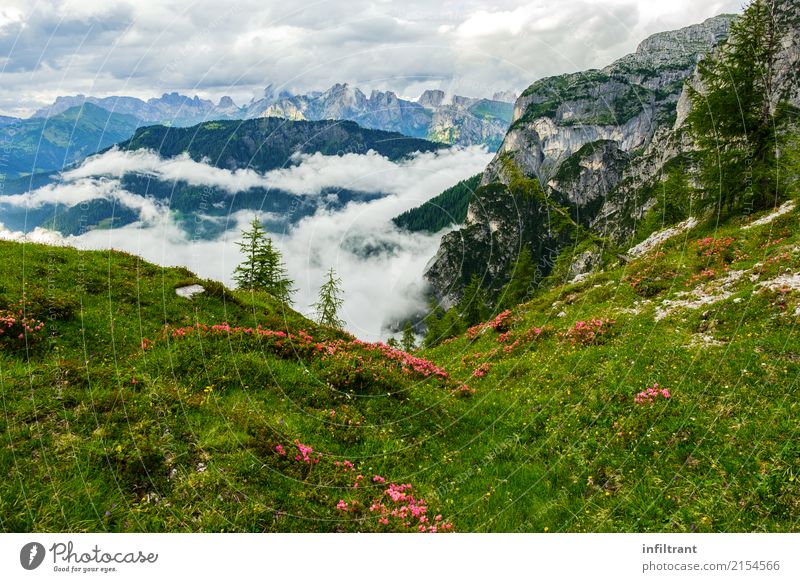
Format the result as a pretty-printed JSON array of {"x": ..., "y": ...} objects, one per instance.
[{"x": 330, "y": 301}]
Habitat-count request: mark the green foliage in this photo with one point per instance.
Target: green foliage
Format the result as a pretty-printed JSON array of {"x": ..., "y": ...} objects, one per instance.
[
  {"x": 408, "y": 341},
  {"x": 474, "y": 306},
  {"x": 739, "y": 116},
  {"x": 448, "y": 208},
  {"x": 523, "y": 280},
  {"x": 267, "y": 143},
  {"x": 676, "y": 200},
  {"x": 186, "y": 433},
  {"x": 330, "y": 301},
  {"x": 262, "y": 269},
  {"x": 441, "y": 324}
]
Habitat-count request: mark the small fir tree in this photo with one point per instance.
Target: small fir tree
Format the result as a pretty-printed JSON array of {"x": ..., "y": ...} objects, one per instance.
[
  {"x": 408, "y": 342},
  {"x": 474, "y": 305},
  {"x": 330, "y": 301},
  {"x": 262, "y": 269},
  {"x": 523, "y": 275}
]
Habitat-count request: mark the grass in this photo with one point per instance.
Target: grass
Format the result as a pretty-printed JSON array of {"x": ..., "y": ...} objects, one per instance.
[{"x": 185, "y": 435}]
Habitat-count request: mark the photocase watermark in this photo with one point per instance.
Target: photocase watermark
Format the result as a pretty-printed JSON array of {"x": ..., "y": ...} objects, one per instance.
[
  {"x": 66, "y": 558},
  {"x": 31, "y": 555}
]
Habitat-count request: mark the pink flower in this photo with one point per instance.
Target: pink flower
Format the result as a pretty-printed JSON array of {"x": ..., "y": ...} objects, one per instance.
[{"x": 341, "y": 506}]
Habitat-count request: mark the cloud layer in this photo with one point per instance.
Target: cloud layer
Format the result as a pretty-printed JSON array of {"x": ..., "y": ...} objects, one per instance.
[
  {"x": 145, "y": 47},
  {"x": 381, "y": 266}
]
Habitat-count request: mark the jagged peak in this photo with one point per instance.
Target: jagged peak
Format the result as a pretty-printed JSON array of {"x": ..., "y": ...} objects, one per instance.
[{"x": 689, "y": 39}]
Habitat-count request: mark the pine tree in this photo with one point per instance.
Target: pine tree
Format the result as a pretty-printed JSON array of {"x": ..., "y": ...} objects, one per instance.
[
  {"x": 330, "y": 301},
  {"x": 408, "y": 342},
  {"x": 474, "y": 305},
  {"x": 739, "y": 112},
  {"x": 262, "y": 269},
  {"x": 433, "y": 322},
  {"x": 523, "y": 275}
]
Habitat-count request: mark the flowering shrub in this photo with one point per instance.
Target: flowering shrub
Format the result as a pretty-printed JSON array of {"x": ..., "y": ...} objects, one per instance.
[
  {"x": 389, "y": 506},
  {"x": 305, "y": 454},
  {"x": 501, "y": 323},
  {"x": 587, "y": 333},
  {"x": 651, "y": 395},
  {"x": 718, "y": 250},
  {"x": 482, "y": 370},
  {"x": 15, "y": 325},
  {"x": 348, "y": 364},
  {"x": 715, "y": 247}
]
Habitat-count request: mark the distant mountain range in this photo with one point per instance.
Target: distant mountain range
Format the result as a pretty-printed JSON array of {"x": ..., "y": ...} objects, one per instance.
[
  {"x": 434, "y": 116},
  {"x": 256, "y": 144},
  {"x": 170, "y": 108},
  {"x": 44, "y": 144}
]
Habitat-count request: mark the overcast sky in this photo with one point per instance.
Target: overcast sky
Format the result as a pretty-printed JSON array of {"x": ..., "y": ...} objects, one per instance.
[{"x": 212, "y": 48}]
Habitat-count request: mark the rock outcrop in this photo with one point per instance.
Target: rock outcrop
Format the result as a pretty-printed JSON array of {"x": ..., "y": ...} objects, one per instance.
[{"x": 593, "y": 140}]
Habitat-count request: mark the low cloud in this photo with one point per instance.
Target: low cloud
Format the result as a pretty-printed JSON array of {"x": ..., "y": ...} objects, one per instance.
[
  {"x": 116, "y": 163},
  {"x": 380, "y": 266},
  {"x": 72, "y": 193}
]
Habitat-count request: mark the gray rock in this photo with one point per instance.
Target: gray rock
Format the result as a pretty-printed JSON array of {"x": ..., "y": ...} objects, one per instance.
[{"x": 189, "y": 291}]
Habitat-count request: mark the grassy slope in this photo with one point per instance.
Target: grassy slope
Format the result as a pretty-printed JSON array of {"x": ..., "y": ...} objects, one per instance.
[
  {"x": 720, "y": 455},
  {"x": 551, "y": 440}
]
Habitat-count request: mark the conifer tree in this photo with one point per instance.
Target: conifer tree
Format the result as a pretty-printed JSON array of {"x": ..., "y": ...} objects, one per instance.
[
  {"x": 262, "y": 269},
  {"x": 474, "y": 305},
  {"x": 523, "y": 275},
  {"x": 330, "y": 301},
  {"x": 408, "y": 341},
  {"x": 739, "y": 111},
  {"x": 433, "y": 321}
]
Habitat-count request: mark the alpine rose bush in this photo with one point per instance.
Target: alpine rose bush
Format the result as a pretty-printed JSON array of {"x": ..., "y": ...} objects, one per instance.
[
  {"x": 586, "y": 333},
  {"x": 15, "y": 325},
  {"x": 651, "y": 395}
]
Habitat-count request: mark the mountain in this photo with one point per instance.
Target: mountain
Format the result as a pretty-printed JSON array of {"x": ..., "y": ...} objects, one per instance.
[
  {"x": 258, "y": 144},
  {"x": 46, "y": 144},
  {"x": 169, "y": 109},
  {"x": 269, "y": 143},
  {"x": 461, "y": 120},
  {"x": 593, "y": 142}
]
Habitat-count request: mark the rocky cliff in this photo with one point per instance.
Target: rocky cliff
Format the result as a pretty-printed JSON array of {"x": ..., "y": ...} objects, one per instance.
[{"x": 592, "y": 140}]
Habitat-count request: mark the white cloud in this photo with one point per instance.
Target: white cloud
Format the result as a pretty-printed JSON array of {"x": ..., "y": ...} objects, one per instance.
[
  {"x": 117, "y": 162},
  {"x": 74, "y": 192},
  {"x": 372, "y": 172}
]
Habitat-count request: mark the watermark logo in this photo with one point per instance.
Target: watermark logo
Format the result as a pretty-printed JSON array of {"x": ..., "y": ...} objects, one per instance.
[{"x": 31, "y": 555}]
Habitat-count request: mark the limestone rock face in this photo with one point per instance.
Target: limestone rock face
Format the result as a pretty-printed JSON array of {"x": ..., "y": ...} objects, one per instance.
[
  {"x": 458, "y": 120},
  {"x": 593, "y": 140}
]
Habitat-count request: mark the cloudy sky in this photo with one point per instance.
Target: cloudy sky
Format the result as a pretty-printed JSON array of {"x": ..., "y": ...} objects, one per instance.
[{"x": 211, "y": 48}]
